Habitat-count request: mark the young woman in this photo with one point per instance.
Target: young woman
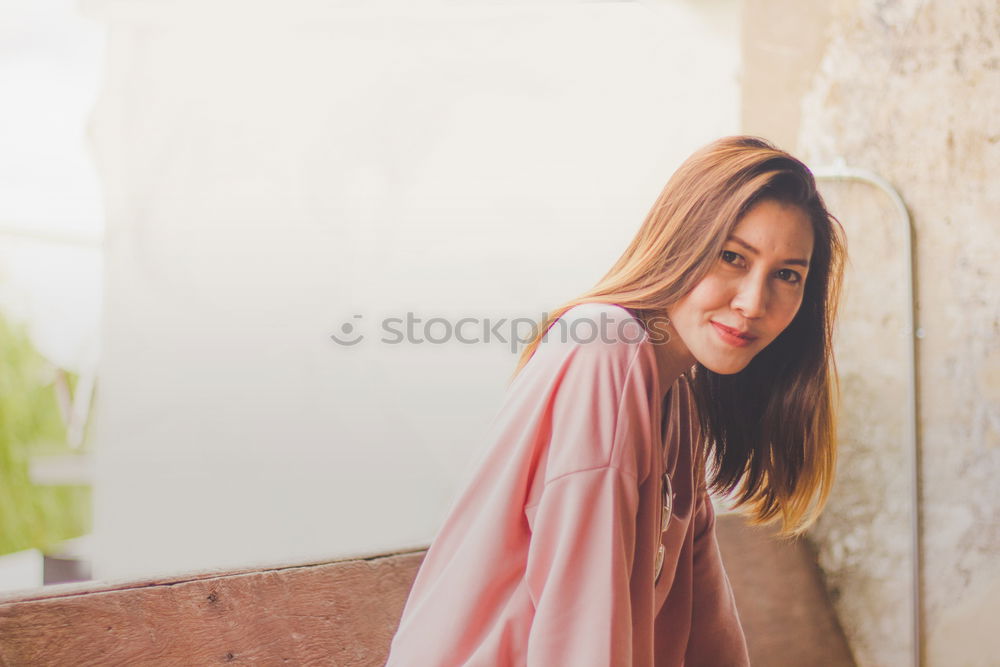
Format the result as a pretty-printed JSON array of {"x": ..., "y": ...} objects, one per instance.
[{"x": 701, "y": 361}]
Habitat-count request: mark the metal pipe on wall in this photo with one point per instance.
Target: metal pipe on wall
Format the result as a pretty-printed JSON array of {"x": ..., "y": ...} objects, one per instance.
[{"x": 841, "y": 172}]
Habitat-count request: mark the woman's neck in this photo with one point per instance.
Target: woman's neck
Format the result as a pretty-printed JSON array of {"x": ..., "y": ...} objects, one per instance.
[{"x": 672, "y": 359}]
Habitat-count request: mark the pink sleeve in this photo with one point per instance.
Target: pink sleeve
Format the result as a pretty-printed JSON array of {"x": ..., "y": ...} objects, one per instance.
[
  {"x": 579, "y": 568},
  {"x": 581, "y": 552},
  {"x": 716, "y": 634},
  {"x": 534, "y": 561}
]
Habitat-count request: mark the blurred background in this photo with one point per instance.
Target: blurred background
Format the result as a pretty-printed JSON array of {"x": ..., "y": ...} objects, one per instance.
[{"x": 235, "y": 241}]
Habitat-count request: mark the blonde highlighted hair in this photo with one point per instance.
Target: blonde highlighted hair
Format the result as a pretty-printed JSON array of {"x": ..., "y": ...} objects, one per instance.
[{"x": 769, "y": 431}]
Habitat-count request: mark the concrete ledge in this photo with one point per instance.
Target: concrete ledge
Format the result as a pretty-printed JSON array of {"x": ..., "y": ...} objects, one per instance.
[{"x": 783, "y": 604}]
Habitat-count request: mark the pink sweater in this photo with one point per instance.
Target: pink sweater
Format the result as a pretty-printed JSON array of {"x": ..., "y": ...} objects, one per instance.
[{"x": 547, "y": 557}]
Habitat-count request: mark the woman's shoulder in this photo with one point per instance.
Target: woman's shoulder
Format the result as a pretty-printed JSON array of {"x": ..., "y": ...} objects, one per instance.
[
  {"x": 605, "y": 327},
  {"x": 598, "y": 371},
  {"x": 602, "y": 339},
  {"x": 600, "y": 309}
]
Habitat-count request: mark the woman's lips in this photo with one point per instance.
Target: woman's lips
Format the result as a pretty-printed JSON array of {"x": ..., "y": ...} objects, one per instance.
[{"x": 732, "y": 336}]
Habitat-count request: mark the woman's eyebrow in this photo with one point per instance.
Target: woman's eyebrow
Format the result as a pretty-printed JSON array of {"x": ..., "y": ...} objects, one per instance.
[{"x": 737, "y": 239}]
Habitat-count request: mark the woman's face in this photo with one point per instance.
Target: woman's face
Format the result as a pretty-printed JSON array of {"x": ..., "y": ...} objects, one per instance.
[{"x": 752, "y": 292}]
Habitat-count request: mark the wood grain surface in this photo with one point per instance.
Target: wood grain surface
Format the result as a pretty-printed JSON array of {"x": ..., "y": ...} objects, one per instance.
[
  {"x": 345, "y": 612},
  {"x": 337, "y": 613}
]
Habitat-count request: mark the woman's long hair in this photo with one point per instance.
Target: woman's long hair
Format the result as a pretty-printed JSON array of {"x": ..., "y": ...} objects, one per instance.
[{"x": 768, "y": 432}]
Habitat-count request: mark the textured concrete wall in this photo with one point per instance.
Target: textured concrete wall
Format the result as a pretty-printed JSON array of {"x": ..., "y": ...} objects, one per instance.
[{"x": 909, "y": 90}]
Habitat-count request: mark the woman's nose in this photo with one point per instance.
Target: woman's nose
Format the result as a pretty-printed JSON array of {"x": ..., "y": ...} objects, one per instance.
[{"x": 751, "y": 297}]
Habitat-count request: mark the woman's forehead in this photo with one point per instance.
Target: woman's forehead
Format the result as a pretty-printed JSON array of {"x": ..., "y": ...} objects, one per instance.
[{"x": 775, "y": 228}]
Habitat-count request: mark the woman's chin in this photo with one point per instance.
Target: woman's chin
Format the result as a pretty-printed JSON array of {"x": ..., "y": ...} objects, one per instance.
[{"x": 724, "y": 367}]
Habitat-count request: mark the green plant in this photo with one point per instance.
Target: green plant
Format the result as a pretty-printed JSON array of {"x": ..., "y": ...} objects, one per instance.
[{"x": 33, "y": 516}]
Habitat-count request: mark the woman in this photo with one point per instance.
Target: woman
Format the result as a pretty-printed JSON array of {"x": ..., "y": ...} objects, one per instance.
[{"x": 586, "y": 536}]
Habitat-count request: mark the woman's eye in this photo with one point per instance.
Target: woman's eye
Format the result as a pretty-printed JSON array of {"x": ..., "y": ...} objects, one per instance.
[
  {"x": 789, "y": 276},
  {"x": 730, "y": 257}
]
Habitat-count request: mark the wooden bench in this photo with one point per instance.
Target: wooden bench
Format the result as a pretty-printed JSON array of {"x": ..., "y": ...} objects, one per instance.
[{"x": 344, "y": 612}]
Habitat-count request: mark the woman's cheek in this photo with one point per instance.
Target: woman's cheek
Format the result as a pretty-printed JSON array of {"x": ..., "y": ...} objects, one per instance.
[{"x": 792, "y": 312}]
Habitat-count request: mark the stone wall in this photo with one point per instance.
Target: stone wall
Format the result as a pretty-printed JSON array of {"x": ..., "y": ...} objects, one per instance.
[{"x": 909, "y": 90}]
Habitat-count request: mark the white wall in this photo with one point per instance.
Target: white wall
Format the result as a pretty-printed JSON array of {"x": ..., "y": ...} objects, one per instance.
[
  {"x": 271, "y": 175},
  {"x": 50, "y": 208}
]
